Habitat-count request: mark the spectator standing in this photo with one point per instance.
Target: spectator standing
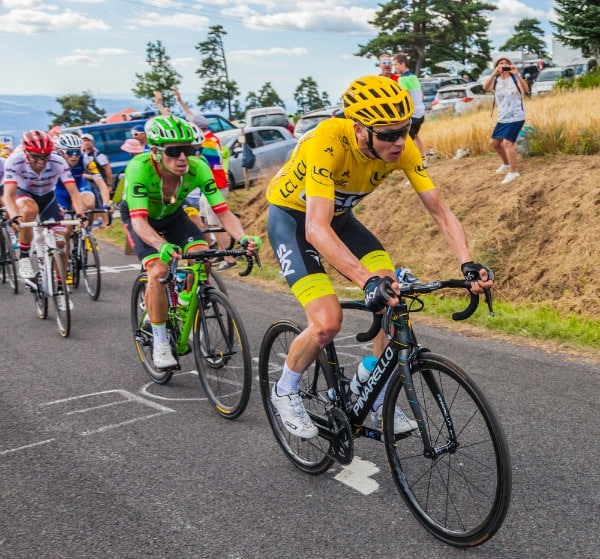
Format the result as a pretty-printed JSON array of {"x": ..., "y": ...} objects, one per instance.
[
  {"x": 138, "y": 133},
  {"x": 89, "y": 148},
  {"x": 409, "y": 81},
  {"x": 508, "y": 87},
  {"x": 385, "y": 67}
]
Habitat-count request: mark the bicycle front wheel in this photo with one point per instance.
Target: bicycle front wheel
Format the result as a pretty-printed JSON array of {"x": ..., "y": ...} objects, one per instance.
[
  {"x": 312, "y": 456},
  {"x": 40, "y": 298},
  {"x": 142, "y": 332},
  {"x": 222, "y": 354},
  {"x": 90, "y": 263},
  {"x": 9, "y": 261},
  {"x": 460, "y": 491},
  {"x": 60, "y": 298}
]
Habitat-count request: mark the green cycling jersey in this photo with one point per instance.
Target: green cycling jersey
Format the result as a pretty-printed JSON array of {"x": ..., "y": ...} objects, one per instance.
[{"x": 143, "y": 191}]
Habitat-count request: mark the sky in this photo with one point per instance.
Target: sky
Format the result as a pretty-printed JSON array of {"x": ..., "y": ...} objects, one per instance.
[{"x": 63, "y": 47}]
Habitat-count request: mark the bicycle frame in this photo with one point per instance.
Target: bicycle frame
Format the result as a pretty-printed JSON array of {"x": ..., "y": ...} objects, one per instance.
[
  {"x": 45, "y": 242},
  {"x": 397, "y": 355}
]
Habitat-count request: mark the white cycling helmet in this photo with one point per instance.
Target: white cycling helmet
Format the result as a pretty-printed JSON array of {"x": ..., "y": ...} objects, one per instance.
[
  {"x": 68, "y": 141},
  {"x": 198, "y": 134}
]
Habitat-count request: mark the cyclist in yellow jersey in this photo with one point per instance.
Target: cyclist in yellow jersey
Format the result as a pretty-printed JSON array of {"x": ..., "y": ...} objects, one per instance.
[{"x": 310, "y": 218}]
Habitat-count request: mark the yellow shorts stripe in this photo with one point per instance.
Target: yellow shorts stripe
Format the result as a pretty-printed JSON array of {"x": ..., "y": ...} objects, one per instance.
[
  {"x": 377, "y": 260},
  {"x": 312, "y": 287}
]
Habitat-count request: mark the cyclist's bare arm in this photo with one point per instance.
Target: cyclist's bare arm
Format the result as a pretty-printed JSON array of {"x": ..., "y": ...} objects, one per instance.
[
  {"x": 232, "y": 225},
  {"x": 452, "y": 231},
  {"x": 319, "y": 233},
  {"x": 76, "y": 199}
]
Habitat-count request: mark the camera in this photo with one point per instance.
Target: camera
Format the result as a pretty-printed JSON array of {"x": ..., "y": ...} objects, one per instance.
[{"x": 506, "y": 68}]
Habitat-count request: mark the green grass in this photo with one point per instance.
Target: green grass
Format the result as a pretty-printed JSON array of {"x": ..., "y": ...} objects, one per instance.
[{"x": 535, "y": 321}]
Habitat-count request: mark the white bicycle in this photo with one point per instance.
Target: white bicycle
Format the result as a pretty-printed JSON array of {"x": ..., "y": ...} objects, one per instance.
[{"x": 50, "y": 280}]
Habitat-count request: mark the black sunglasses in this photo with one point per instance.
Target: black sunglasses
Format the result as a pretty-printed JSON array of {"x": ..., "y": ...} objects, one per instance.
[
  {"x": 176, "y": 151},
  {"x": 72, "y": 152},
  {"x": 38, "y": 156},
  {"x": 392, "y": 135}
]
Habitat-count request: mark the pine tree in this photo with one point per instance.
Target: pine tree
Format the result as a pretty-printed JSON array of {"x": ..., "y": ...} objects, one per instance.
[
  {"x": 578, "y": 24},
  {"x": 161, "y": 76},
  {"x": 218, "y": 91},
  {"x": 528, "y": 38}
]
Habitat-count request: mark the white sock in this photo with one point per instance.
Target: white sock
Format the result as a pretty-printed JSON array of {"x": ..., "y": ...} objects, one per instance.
[
  {"x": 289, "y": 382},
  {"x": 159, "y": 331}
]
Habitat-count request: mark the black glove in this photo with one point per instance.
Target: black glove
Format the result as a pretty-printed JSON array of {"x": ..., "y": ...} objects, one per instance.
[
  {"x": 471, "y": 271},
  {"x": 378, "y": 291}
]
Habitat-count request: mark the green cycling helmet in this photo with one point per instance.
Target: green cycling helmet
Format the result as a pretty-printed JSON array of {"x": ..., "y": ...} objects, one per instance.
[{"x": 163, "y": 130}]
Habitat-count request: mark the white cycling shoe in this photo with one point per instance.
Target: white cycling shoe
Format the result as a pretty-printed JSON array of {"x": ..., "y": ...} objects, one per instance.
[
  {"x": 293, "y": 415},
  {"x": 162, "y": 356}
]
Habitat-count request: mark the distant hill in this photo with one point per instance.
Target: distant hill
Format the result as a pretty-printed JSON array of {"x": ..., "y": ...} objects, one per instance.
[{"x": 25, "y": 112}]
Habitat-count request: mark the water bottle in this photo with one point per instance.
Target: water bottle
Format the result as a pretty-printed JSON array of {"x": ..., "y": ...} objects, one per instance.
[
  {"x": 363, "y": 372},
  {"x": 180, "y": 282},
  {"x": 13, "y": 238}
]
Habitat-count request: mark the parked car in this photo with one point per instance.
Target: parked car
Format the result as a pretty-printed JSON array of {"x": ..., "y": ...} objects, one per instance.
[
  {"x": 271, "y": 145},
  {"x": 108, "y": 137},
  {"x": 461, "y": 98},
  {"x": 547, "y": 79},
  {"x": 309, "y": 120},
  {"x": 268, "y": 116},
  {"x": 431, "y": 84}
]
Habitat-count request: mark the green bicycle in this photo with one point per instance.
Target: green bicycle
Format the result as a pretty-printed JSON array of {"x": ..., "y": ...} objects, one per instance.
[{"x": 210, "y": 327}]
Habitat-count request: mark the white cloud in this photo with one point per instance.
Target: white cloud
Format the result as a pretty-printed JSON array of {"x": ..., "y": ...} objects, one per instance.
[
  {"x": 253, "y": 55},
  {"x": 309, "y": 15},
  {"x": 34, "y": 21},
  {"x": 89, "y": 57},
  {"x": 179, "y": 20}
]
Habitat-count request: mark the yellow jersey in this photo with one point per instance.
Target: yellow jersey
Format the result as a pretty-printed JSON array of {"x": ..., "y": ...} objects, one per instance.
[{"x": 328, "y": 163}]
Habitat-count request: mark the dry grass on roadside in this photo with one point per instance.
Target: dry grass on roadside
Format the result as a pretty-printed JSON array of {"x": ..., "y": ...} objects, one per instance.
[{"x": 566, "y": 121}]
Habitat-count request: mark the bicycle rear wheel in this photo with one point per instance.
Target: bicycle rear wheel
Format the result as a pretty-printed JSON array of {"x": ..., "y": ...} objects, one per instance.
[
  {"x": 142, "y": 332},
  {"x": 222, "y": 354},
  {"x": 59, "y": 278},
  {"x": 90, "y": 263},
  {"x": 313, "y": 456},
  {"x": 9, "y": 261},
  {"x": 462, "y": 494}
]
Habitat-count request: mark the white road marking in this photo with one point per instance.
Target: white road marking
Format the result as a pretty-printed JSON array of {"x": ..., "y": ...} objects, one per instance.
[
  {"x": 357, "y": 475},
  {"x": 25, "y": 447}
]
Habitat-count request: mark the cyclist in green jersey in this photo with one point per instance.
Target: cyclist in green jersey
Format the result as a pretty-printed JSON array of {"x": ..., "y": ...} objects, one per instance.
[{"x": 157, "y": 227}]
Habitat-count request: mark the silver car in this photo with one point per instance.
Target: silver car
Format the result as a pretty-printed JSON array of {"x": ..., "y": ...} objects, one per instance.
[{"x": 271, "y": 145}]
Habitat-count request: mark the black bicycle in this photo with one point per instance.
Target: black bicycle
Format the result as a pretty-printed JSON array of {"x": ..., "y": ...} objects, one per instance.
[
  {"x": 84, "y": 258},
  {"x": 454, "y": 471},
  {"x": 209, "y": 325},
  {"x": 8, "y": 256}
]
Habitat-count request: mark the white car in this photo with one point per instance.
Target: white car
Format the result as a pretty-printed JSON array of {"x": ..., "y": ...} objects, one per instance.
[
  {"x": 461, "y": 98},
  {"x": 271, "y": 145},
  {"x": 547, "y": 79}
]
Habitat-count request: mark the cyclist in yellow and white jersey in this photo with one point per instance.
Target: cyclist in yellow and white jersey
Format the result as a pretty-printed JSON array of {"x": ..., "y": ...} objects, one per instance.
[{"x": 310, "y": 217}]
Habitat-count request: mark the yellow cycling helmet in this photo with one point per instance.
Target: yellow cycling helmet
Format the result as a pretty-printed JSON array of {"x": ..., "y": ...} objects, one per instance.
[{"x": 377, "y": 101}]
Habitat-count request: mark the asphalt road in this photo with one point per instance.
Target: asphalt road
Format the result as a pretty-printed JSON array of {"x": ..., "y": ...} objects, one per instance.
[{"x": 97, "y": 462}]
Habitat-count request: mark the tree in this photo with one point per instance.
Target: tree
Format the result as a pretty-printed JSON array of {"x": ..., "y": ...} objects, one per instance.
[
  {"x": 218, "y": 91},
  {"x": 77, "y": 110},
  {"x": 307, "y": 95},
  {"x": 267, "y": 97},
  {"x": 578, "y": 24},
  {"x": 433, "y": 31},
  {"x": 528, "y": 38},
  {"x": 161, "y": 76}
]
